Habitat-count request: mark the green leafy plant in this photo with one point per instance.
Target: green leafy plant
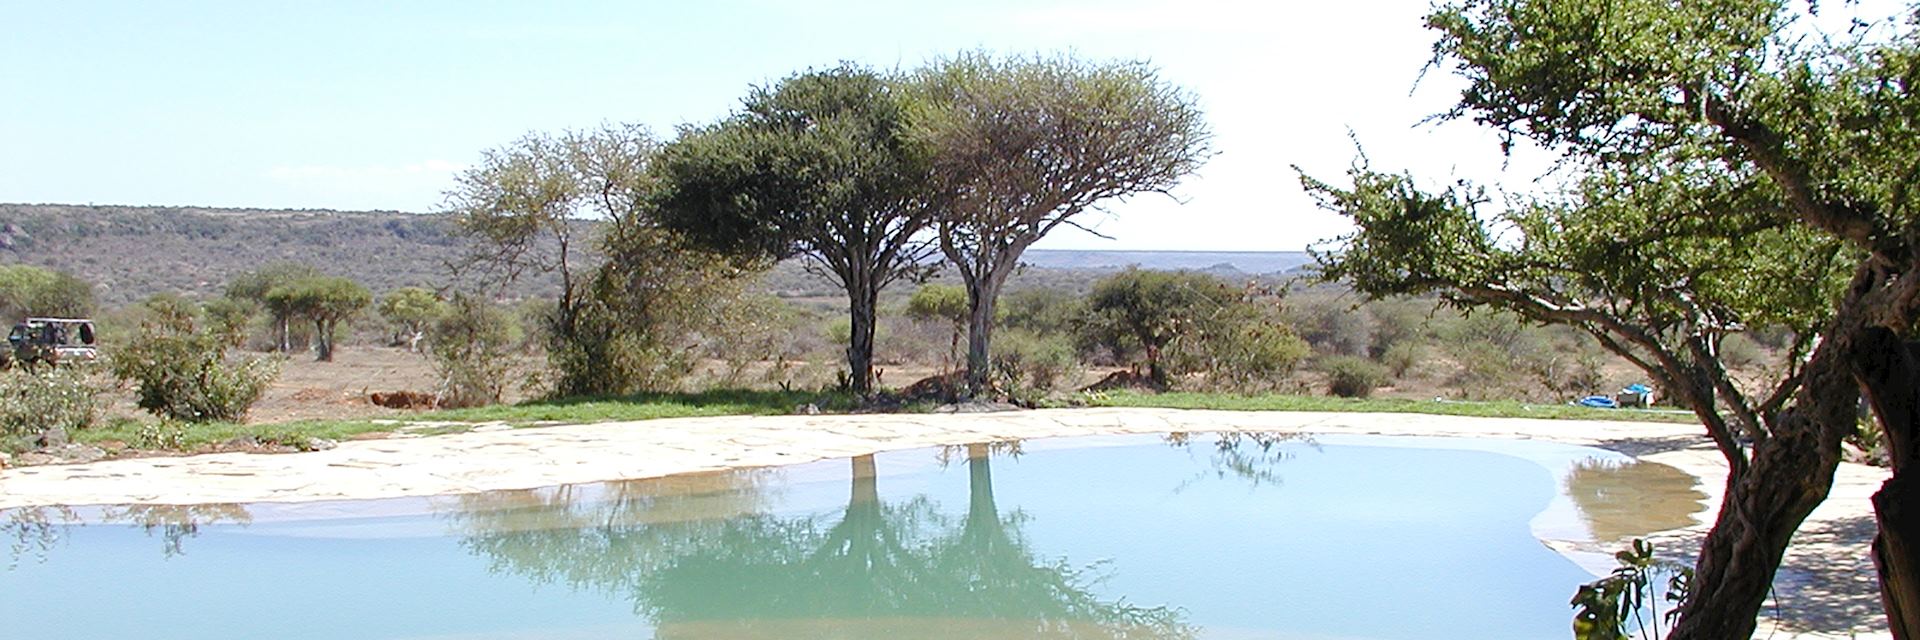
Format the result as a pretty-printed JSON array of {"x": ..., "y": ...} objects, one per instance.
[
  {"x": 471, "y": 343},
  {"x": 181, "y": 368},
  {"x": 1627, "y": 603},
  {"x": 1351, "y": 377},
  {"x": 44, "y": 404}
]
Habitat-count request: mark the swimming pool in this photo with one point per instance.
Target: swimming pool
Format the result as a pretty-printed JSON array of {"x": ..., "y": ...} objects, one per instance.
[{"x": 1165, "y": 537}]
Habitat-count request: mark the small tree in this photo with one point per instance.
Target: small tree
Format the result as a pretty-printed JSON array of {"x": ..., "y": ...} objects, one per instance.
[
  {"x": 1024, "y": 146},
  {"x": 180, "y": 367},
  {"x": 471, "y": 347},
  {"x": 253, "y": 286},
  {"x": 34, "y": 291},
  {"x": 326, "y": 301},
  {"x": 524, "y": 206},
  {"x": 1186, "y": 322},
  {"x": 942, "y": 303},
  {"x": 1149, "y": 310},
  {"x": 411, "y": 310}
]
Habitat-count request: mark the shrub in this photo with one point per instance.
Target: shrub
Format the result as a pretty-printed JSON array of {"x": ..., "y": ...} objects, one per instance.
[
  {"x": 1248, "y": 351},
  {"x": 471, "y": 349},
  {"x": 181, "y": 369},
  {"x": 38, "y": 407},
  {"x": 1350, "y": 377},
  {"x": 1028, "y": 365},
  {"x": 1740, "y": 350},
  {"x": 1401, "y": 357}
]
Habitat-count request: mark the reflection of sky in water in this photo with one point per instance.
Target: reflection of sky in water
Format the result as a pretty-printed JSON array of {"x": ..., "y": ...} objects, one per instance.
[{"x": 1342, "y": 537}]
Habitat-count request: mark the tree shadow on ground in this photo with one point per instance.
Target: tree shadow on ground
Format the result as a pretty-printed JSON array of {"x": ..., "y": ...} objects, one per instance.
[
  {"x": 1828, "y": 582},
  {"x": 1638, "y": 447}
]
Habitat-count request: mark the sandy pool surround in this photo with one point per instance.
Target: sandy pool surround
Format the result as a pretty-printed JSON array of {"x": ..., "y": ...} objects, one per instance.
[{"x": 498, "y": 459}]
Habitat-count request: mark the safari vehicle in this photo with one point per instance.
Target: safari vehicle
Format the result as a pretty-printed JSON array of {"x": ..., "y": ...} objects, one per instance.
[{"x": 50, "y": 341}]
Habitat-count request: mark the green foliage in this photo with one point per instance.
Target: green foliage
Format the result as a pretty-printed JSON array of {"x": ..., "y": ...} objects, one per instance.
[
  {"x": 1401, "y": 358},
  {"x": 638, "y": 326},
  {"x": 1184, "y": 322},
  {"x": 470, "y": 347},
  {"x": 1146, "y": 311},
  {"x": 326, "y": 301},
  {"x": 411, "y": 310},
  {"x": 1028, "y": 366},
  {"x": 1032, "y": 142},
  {"x": 1353, "y": 377},
  {"x": 1332, "y": 325},
  {"x": 943, "y": 303},
  {"x": 649, "y": 406},
  {"x": 180, "y": 368},
  {"x": 34, "y": 291},
  {"x": 253, "y": 286},
  {"x": 937, "y": 302},
  {"x": 1044, "y": 310},
  {"x": 816, "y": 166},
  {"x": 1280, "y": 402},
  {"x": 48, "y": 402},
  {"x": 752, "y": 329},
  {"x": 229, "y": 317},
  {"x": 1626, "y": 603}
]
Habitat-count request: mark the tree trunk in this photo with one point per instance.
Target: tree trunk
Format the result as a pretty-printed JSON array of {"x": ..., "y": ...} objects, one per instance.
[
  {"x": 1889, "y": 370},
  {"x": 324, "y": 337},
  {"x": 862, "y": 298},
  {"x": 981, "y": 512},
  {"x": 1789, "y": 474},
  {"x": 866, "y": 486},
  {"x": 981, "y": 297},
  {"x": 286, "y": 337}
]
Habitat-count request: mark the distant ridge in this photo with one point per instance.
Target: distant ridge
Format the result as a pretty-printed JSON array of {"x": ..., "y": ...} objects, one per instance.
[
  {"x": 1248, "y": 262},
  {"x": 130, "y": 253}
]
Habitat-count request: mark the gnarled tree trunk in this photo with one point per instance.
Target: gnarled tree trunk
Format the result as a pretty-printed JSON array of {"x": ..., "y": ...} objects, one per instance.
[
  {"x": 1889, "y": 370},
  {"x": 1788, "y": 474}
]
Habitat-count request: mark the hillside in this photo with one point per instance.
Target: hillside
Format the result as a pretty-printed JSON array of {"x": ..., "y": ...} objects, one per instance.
[{"x": 134, "y": 252}]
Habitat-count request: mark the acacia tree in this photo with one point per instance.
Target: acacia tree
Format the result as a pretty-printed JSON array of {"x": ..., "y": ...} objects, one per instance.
[
  {"x": 944, "y": 303},
  {"x": 1022, "y": 146},
  {"x": 33, "y": 291},
  {"x": 525, "y": 205},
  {"x": 326, "y": 301},
  {"x": 1732, "y": 176},
  {"x": 411, "y": 310},
  {"x": 253, "y": 286},
  {"x": 616, "y": 324},
  {"x": 816, "y": 166}
]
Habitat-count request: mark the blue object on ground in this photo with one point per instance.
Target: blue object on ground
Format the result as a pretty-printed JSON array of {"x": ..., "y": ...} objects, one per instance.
[{"x": 1599, "y": 402}]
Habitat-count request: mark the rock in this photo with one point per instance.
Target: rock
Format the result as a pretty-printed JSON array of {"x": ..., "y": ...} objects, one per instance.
[
  {"x": 319, "y": 444},
  {"x": 53, "y": 437},
  {"x": 808, "y": 409},
  {"x": 63, "y": 454},
  {"x": 976, "y": 406}
]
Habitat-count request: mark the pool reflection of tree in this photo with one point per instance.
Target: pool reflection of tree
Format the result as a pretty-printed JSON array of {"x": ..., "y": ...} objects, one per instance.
[
  {"x": 35, "y": 531},
  {"x": 1621, "y": 500},
  {"x": 900, "y": 569}
]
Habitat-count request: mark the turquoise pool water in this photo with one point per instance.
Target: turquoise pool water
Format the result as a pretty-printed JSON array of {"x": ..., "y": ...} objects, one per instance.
[{"x": 1322, "y": 539}]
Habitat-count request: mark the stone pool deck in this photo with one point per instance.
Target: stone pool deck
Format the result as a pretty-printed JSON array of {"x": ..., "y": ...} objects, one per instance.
[{"x": 1826, "y": 589}]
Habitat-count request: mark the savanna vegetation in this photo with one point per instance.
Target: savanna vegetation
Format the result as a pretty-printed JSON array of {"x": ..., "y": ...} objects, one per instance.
[{"x": 1733, "y": 229}]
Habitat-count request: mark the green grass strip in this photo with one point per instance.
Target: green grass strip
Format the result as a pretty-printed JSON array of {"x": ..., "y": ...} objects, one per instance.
[{"x": 1274, "y": 402}]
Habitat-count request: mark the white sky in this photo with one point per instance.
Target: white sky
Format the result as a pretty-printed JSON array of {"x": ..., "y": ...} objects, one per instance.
[{"x": 363, "y": 105}]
